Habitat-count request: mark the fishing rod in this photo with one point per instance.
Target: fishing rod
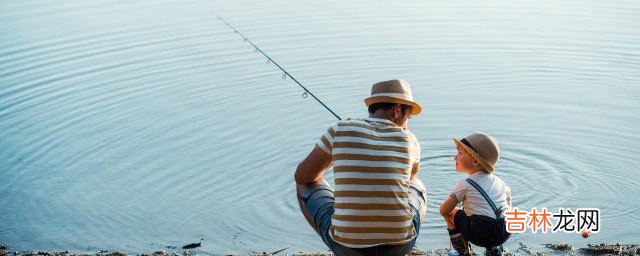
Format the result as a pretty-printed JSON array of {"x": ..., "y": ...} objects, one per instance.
[{"x": 284, "y": 76}]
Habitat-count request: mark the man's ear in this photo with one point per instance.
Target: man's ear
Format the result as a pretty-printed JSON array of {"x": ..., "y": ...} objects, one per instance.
[{"x": 397, "y": 109}]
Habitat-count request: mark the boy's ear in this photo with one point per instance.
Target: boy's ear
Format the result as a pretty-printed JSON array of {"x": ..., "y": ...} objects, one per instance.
[{"x": 476, "y": 163}]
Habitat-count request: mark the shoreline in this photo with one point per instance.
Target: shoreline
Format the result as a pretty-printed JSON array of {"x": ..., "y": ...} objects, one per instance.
[{"x": 523, "y": 249}]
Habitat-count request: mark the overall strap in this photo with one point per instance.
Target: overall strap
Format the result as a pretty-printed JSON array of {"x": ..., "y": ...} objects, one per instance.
[{"x": 497, "y": 211}]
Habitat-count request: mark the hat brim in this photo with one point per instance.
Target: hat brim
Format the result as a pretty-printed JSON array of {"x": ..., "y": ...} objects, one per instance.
[
  {"x": 475, "y": 155},
  {"x": 416, "y": 108}
]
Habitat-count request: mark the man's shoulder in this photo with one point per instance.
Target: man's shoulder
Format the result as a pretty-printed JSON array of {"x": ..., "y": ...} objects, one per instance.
[
  {"x": 344, "y": 122},
  {"x": 347, "y": 121},
  {"x": 350, "y": 120},
  {"x": 412, "y": 136},
  {"x": 357, "y": 122}
]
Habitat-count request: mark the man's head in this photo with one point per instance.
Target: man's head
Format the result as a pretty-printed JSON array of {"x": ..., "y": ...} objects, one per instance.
[
  {"x": 395, "y": 98},
  {"x": 395, "y": 112}
]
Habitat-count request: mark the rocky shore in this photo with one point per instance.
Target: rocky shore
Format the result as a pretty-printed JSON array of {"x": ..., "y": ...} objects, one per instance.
[{"x": 523, "y": 249}]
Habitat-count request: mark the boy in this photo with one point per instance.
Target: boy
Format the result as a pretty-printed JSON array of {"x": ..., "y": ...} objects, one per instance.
[{"x": 481, "y": 221}]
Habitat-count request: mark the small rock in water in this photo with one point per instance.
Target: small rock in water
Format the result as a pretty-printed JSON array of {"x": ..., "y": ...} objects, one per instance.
[
  {"x": 160, "y": 253},
  {"x": 604, "y": 249},
  {"x": 3, "y": 247},
  {"x": 559, "y": 246},
  {"x": 191, "y": 246}
]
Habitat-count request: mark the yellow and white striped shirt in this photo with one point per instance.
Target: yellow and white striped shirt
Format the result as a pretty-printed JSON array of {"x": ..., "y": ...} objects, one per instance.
[{"x": 372, "y": 162}]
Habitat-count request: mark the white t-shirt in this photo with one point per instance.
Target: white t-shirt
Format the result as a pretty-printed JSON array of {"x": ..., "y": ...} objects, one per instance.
[{"x": 474, "y": 203}]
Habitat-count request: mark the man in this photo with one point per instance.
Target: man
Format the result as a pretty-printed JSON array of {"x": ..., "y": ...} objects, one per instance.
[{"x": 378, "y": 203}]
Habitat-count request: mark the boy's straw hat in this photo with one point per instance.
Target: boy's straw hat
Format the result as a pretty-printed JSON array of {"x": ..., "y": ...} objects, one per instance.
[
  {"x": 483, "y": 147},
  {"x": 393, "y": 91}
]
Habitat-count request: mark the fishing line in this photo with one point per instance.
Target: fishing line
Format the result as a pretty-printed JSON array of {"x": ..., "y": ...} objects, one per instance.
[{"x": 270, "y": 60}]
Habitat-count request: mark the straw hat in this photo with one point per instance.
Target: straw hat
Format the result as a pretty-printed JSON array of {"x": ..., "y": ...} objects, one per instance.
[
  {"x": 393, "y": 91},
  {"x": 483, "y": 147}
]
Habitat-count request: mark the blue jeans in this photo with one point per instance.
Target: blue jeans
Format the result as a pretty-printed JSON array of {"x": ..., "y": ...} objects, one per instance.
[{"x": 319, "y": 202}]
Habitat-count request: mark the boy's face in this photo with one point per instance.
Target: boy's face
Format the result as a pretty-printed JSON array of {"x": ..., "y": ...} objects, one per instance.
[{"x": 464, "y": 161}]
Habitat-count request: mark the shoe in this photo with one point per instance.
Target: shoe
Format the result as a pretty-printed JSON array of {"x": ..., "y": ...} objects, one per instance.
[
  {"x": 453, "y": 252},
  {"x": 495, "y": 251}
]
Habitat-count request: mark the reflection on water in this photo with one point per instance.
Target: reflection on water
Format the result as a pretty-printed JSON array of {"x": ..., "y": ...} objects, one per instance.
[{"x": 137, "y": 125}]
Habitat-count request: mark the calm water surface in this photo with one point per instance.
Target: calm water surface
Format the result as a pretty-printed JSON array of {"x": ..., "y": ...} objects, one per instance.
[{"x": 135, "y": 125}]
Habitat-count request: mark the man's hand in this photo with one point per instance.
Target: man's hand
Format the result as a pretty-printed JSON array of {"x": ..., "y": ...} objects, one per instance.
[{"x": 313, "y": 167}]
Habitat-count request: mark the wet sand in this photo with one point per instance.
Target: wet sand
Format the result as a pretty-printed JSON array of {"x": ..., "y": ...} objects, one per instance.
[{"x": 523, "y": 249}]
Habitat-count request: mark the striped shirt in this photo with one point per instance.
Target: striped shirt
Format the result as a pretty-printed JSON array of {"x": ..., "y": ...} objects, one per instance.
[{"x": 372, "y": 161}]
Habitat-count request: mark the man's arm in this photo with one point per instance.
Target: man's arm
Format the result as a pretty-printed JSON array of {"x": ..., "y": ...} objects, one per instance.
[
  {"x": 312, "y": 167},
  {"x": 414, "y": 170}
]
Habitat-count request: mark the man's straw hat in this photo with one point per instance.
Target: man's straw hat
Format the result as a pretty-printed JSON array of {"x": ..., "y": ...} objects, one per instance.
[
  {"x": 393, "y": 91},
  {"x": 483, "y": 147}
]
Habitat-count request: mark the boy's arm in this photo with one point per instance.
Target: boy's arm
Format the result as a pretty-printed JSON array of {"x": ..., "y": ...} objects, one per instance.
[
  {"x": 448, "y": 205},
  {"x": 457, "y": 195}
]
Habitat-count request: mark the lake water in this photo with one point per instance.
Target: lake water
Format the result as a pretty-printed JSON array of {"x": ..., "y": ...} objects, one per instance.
[{"x": 136, "y": 125}]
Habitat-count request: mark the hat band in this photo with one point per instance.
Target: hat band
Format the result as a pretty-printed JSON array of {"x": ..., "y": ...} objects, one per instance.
[
  {"x": 395, "y": 95},
  {"x": 464, "y": 141}
]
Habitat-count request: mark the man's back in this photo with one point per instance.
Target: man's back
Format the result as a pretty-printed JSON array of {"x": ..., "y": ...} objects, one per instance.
[{"x": 372, "y": 161}]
